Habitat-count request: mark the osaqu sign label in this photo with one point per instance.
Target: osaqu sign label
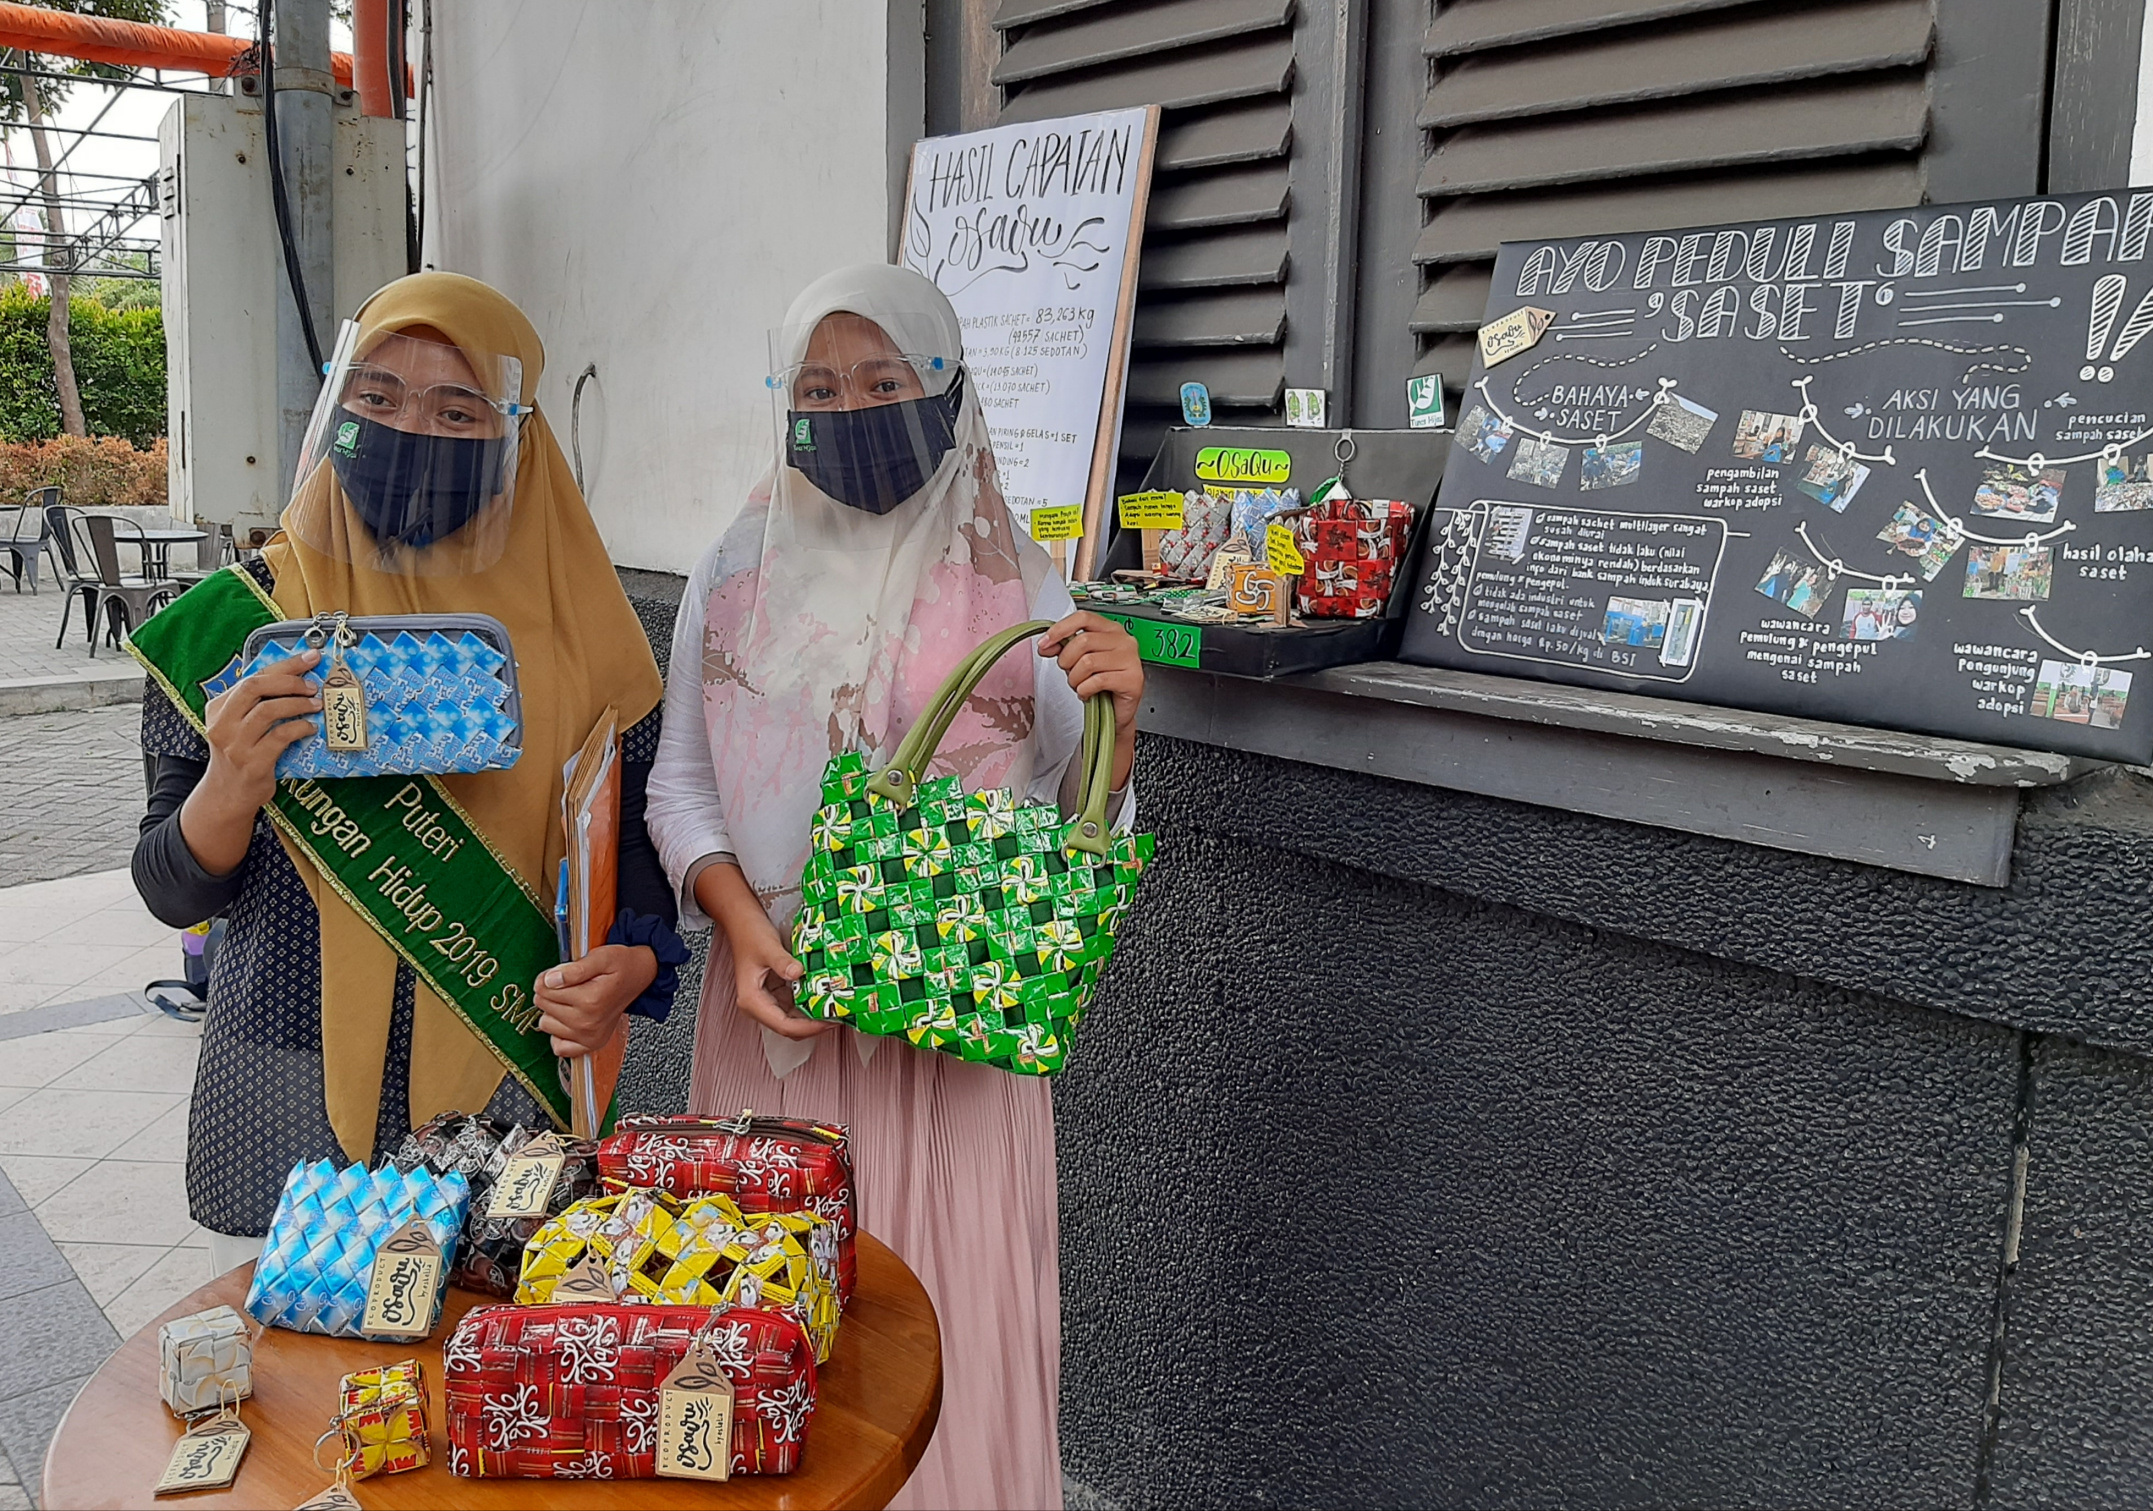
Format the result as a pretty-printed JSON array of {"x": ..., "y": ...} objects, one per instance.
[{"x": 1890, "y": 468}]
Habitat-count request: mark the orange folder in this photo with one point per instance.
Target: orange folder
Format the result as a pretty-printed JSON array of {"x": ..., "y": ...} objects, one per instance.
[{"x": 590, "y": 813}]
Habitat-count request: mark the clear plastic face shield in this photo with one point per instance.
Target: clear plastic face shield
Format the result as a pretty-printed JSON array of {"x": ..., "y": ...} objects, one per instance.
[
  {"x": 421, "y": 440},
  {"x": 866, "y": 422}
]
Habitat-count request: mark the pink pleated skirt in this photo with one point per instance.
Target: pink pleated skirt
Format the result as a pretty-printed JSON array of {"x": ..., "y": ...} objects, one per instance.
[{"x": 955, "y": 1165}]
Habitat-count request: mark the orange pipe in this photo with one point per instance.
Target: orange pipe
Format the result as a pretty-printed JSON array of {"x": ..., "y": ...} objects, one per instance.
[
  {"x": 131, "y": 44},
  {"x": 370, "y": 56}
]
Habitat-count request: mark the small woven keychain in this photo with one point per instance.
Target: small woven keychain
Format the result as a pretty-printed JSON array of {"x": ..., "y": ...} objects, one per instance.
[
  {"x": 207, "y": 1455},
  {"x": 339, "y": 1496}
]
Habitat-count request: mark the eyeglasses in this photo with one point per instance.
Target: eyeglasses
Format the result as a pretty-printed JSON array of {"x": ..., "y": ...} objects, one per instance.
[
  {"x": 443, "y": 408},
  {"x": 882, "y": 379}
]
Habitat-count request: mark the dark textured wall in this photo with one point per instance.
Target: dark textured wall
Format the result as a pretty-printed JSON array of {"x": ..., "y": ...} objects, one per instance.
[{"x": 1431, "y": 1149}]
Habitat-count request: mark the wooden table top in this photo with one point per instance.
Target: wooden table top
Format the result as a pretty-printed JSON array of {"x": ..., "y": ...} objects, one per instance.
[{"x": 877, "y": 1401}]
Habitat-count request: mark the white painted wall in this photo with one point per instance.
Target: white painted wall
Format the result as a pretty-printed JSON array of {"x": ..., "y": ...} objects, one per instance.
[
  {"x": 2142, "y": 128},
  {"x": 653, "y": 183}
]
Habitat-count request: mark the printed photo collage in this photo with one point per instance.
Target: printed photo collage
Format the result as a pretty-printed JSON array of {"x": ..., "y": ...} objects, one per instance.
[{"x": 1499, "y": 442}]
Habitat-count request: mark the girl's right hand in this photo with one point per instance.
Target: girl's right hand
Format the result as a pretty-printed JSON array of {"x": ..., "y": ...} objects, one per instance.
[
  {"x": 247, "y": 727},
  {"x": 763, "y": 969}
]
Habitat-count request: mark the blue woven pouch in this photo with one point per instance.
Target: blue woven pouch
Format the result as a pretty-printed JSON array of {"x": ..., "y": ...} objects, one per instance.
[{"x": 329, "y": 1225}]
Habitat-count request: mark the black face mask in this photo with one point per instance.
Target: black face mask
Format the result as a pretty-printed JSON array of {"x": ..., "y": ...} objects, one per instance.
[
  {"x": 876, "y": 458},
  {"x": 412, "y": 490}
]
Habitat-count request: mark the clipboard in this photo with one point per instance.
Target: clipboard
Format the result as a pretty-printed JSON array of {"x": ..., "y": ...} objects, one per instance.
[{"x": 590, "y": 900}]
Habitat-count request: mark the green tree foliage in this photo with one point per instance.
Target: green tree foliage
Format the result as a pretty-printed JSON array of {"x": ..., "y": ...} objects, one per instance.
[{"x": 119, "y": 364}]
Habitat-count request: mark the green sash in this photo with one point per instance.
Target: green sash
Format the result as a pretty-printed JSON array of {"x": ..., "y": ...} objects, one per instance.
[{"x": 398, "y": 849}]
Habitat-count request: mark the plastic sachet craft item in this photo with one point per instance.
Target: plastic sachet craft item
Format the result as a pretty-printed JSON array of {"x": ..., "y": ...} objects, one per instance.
[
  {"x": 204, "y": 1360},
  {"x": 1253, "y": 509},
  {"x": 479, "y": 1149},
  {"x": 765, "y": 1164},
  {"x": 1185, "y": 554},
  {"x": 1354, "y": 548},
  {"x": 329, "y": 1228},
  {"x": 381, "y": 1416},
  {"x": 572, "y": 1390},
  {"x": 419, "y": 694},
  {"x": 653, "y": 1247},
  {"x": 974, "y": 923}
]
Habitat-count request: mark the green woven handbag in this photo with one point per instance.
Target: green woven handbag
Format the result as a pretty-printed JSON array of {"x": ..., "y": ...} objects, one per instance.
[{"x": 968, "y": 922}]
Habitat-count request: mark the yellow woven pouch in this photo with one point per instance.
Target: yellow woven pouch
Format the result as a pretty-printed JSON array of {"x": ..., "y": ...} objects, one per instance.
[{"x": 656, "y": 1248}]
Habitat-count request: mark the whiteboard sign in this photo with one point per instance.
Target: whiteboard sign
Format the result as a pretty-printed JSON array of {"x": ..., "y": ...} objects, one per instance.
[{"x": 1033, "y": 232}]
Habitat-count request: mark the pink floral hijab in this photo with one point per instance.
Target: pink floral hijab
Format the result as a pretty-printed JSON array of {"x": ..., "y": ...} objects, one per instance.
[{"x": 828, "y": 628}]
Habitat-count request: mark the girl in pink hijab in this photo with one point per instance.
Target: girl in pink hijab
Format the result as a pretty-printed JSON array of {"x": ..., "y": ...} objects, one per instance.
[{"x": 876, "y": 554}]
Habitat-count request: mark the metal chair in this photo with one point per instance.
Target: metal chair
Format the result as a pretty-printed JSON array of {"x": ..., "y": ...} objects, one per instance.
[
  {"x": 28, "y": 538},
  {"x": 122, "y": 601},
  {"x": 74, "y": 565}
]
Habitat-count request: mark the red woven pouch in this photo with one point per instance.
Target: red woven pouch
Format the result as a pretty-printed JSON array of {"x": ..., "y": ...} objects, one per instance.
[
  {"x": 570, "y": 1390},
  {"x": 765, "y": 1164}
]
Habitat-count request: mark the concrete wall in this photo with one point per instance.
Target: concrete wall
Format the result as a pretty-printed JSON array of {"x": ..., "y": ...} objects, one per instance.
[{"x": 653, "y": 183}]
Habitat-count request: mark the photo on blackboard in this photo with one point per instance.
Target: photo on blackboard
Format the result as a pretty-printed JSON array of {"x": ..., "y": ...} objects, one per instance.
[
  {"x": 1880, "y": 613},
  {"x": 1639, "y": 622},
  {"x": 1916, "y": 533},
  {"x": 1831, "y": 477},
  {"x": 1684, "y": 618},
  {"x": 2123, "y": 484},
  {"x": 1798, "y": 583},
  {"x": 1761, "y": 436},
  {"x": 1615, "y": 465},
  {"x": 2020, "y": 573},
  {"x": 1678, "y": 422},
  {"x": 1509, "y": 527},
  {"x": 1485, "y": 434},
  {"x": 2081, "y": 694},
  {"x": 2013, "y": 492},
  {"x": 1539, "y": 462}
]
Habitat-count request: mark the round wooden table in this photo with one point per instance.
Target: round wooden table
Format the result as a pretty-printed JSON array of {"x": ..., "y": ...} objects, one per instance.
[{"x": 876, "y": 1405}]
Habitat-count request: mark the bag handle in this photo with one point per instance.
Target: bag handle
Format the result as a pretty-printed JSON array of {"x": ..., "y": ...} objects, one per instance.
[{"x": 899, "y": 780}]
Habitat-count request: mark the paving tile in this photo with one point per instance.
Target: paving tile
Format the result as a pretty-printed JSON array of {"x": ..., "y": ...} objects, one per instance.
[
  {"x": 157, "y": 962},
  {"x": 112, "y": 1028},
  {"x": 54, "y": 1334},
  {"x": 15, "y": 1498},
  {"x": 33, "y": 1062},
  {"x": 119, "y": 1201},
  {"x": 28, "y": 1260},
  {"x": 37, "y": 1176},
  {"x": 121, "y": 925},
  {"x": 106, "y": 1269},
  {"x": 17, "y": 996},
  {"x": 164, "y": 1141},
  {"x": 27, "y": 1422},
  {"x": 23, "y": 922},
  {"x": 164, "y": 1283},
  {"x": 8, "y": 1476},
  {"x": 136, "y": 1063},
  {"x": 11, "y": 1200},
  {"x": 61, "y": 964},
  {"x": 79, "y": 1124},
  {"x": 162, "y": 1025}
]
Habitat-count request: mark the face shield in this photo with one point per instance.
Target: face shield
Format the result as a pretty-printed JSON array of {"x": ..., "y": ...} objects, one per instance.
[
  {"x": 866, "y": 423},
  {"x": 420, "y": 439}
]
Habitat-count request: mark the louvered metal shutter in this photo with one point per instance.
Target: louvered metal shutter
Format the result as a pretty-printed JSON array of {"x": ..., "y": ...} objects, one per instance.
[
  {"x": 1562, "y": 117},
  {"x": 1211, "y": 303}
]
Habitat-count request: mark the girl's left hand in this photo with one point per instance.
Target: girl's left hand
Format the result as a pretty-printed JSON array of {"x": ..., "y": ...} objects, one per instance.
[
  {"x": 581, "y": 1002},
  {"x": 1099, "y": 656}
]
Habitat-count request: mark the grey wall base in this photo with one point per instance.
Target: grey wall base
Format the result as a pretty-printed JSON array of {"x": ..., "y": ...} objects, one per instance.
[{"x": 1430, "y": 1148}]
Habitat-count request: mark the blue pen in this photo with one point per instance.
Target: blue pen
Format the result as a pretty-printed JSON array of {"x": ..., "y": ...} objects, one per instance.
[{"x": 560, "y": 909}]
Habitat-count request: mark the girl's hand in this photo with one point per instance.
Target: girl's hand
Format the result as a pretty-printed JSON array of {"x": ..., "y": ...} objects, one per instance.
[
  {"x": 248, "y": 727},
  {"x": 763, "y": 969},
  {"x": 581, "y": 1002},
  {"x": 1099, "y": 656}
]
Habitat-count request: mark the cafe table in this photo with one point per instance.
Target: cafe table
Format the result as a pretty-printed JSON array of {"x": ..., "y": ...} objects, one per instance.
[
  {"x": 157, "y": 547},
  {"x": 877, "y": 1401}
]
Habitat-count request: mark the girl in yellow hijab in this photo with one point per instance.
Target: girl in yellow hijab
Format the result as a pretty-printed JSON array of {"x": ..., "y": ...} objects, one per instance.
[{"x": 430, "y": 485}]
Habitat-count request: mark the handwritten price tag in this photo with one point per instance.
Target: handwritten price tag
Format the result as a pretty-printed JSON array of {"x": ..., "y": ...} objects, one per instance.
[
  {"x": 1058, "y": 522},
  {"x": 1280, "y": 551},
  {"x": 695, "y": 1419},
  {"x": 1151, "y": 511},
  {"x": 407, "y": 1277}
]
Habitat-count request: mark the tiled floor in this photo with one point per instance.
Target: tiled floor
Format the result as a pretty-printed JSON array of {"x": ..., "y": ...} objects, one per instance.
[
  {"x": 85, "y": 768},
  {"x": 95, "y": 1239}
]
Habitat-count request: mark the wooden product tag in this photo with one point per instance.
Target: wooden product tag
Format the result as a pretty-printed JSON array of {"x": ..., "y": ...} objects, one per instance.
[
  {"x": 1515, "y": 332},
  {"x": 343, "y": 707},
  {"x": 407, "y": 1276},
  {"x": 586, "y": 1280},
  {"x": 695, "y": 1419},
  {"x": 337, "y": 1497},
  {"x": 206, "y": 1457},
  {"x": 527, "y": 1180}
]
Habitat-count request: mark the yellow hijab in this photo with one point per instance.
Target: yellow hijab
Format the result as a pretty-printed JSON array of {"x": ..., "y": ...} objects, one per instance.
[{"x": 579, "y": 647}]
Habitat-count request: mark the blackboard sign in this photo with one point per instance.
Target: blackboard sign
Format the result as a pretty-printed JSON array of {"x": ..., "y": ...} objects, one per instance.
[{"x": 1889, "y": 468}]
